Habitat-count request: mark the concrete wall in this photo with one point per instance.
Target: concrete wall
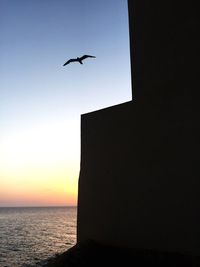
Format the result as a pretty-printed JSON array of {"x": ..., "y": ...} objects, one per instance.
[
  {"x": 139, "y": 180},
  {"x": 164, "y": 48}
]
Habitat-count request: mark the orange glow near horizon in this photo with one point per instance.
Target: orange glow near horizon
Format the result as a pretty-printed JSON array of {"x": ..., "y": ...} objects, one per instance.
[{"x": 40, "y": 165}]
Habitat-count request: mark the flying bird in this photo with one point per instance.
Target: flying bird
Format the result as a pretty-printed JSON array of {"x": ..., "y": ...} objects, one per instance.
[{"x": 78, "y": 59}]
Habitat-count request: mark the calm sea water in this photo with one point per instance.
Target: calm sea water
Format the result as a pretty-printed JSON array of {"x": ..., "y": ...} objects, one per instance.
[{"x": 29, "y": 236}]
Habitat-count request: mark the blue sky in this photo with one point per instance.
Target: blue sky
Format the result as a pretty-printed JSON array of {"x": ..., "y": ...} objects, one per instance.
[{"x": 37, "y": 93}]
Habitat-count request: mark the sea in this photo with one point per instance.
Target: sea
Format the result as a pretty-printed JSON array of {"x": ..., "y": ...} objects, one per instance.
[{"x": 29, "y": 236}]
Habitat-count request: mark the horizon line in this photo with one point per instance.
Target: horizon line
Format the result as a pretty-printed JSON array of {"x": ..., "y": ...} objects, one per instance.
[{"x": 42, "y": 206}]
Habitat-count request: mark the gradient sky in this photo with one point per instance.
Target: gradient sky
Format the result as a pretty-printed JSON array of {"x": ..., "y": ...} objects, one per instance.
[{"x": 41, "y": 101}]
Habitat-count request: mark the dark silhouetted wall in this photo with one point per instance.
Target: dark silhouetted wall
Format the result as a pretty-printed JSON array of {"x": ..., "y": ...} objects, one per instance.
[{"x": 139, "y": 181}]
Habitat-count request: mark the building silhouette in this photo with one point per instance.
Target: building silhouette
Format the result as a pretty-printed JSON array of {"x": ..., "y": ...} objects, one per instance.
[{"x": 139, "y": 182}]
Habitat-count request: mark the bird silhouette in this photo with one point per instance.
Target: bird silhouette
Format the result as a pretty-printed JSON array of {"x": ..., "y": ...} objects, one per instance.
[{"x": 78, "y": 59}]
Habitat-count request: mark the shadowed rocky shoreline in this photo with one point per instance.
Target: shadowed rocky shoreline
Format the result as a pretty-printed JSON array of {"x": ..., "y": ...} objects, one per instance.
[{"x": 94, "y": 254}]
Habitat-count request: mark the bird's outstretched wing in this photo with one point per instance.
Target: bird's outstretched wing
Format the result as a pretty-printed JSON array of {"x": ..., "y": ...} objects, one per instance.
[
  {"x": 86, "y": 56},
  {"x": 69, "y": 61}
]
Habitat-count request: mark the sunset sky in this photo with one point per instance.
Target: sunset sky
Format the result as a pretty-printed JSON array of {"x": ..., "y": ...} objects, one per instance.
[{"x": 41, "y": 101}]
